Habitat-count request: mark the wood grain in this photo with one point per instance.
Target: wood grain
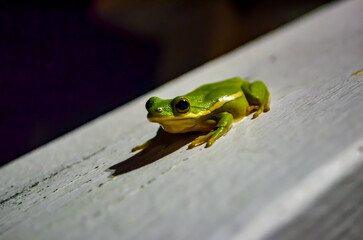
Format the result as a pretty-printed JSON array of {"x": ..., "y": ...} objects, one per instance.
[{"x": 252, "y": 184}]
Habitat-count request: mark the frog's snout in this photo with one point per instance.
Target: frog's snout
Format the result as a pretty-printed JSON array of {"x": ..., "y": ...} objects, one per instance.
[
  {"x": 151, "y": 102},
  {"x": 154, "y": 107}
]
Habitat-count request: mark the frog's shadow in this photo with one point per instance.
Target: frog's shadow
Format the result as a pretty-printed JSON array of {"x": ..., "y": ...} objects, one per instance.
[{"x": 161, "y": 145}]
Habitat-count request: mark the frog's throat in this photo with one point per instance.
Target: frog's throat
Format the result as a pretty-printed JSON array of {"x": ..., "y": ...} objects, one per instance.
[{"x": 221, "y": 101}]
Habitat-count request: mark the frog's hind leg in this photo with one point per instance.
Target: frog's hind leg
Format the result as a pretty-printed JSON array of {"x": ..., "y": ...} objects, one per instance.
[{"x": 257, "y": 96}]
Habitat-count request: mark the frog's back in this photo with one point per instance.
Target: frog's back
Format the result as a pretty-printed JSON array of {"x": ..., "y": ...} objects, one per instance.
[
  {"x": 209, "y": 94},
  {"x": 228, "y": 86}
]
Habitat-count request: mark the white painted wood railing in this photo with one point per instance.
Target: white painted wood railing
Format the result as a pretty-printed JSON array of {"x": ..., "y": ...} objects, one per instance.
[{"x": 293, "y": 173}]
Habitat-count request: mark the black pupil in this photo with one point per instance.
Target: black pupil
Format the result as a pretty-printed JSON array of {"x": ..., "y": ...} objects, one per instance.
[{"x": 182, "y": 105}]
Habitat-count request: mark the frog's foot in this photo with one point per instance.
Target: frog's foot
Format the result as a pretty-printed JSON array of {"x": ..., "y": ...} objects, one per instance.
[
  {"x": 258, "y": 96},
  {"x": 200, "y": 140},
  {"x": 256, "y": 114},
  {"x": 225, "y": 120},
  {"x": 252, "y": 108},
  {"x": 141, "y": 147},
  {"x": 265, "y": 107}
]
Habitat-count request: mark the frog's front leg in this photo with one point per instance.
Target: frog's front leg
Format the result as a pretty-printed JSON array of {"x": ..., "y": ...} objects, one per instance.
[
  {"x": 224, "y": 122},
  {"x": 143, "y": 146}
]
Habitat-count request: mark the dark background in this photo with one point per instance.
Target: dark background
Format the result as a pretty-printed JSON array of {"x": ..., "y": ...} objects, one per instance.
[{"x": 63, "y": 63}]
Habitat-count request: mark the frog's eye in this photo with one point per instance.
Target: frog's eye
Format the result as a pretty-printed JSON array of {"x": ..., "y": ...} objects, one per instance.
[{"x": 182, "y": 105}]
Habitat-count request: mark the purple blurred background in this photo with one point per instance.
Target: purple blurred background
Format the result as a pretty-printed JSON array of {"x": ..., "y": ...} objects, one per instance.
[{"x": 63, "y": 63}]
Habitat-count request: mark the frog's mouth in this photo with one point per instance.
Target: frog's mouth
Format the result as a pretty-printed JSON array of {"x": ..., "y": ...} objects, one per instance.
[
  {"x": 175, "y": 124},
  {"x": 159, "y": 119},
  {"x": 182, "y": 124}
]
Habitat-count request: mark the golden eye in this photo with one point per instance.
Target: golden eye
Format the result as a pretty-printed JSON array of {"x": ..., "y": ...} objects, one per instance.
[{"x": 182, "y": 105}]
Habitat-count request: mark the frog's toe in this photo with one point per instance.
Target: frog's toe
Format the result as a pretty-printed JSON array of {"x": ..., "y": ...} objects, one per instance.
[
  {"x": 252, "y": 108},
  {"x": 200, "y": 140},
  {"x": 141, "y": 147},
  {"x": 256, "y": 114},
  {"x": 210, "y": 142},
  {"x": 134, "y": 149},
  {"x": 137, "y": 148},
  {"x": 260, "y": 110},
  {"x": 219, "y": 132}
]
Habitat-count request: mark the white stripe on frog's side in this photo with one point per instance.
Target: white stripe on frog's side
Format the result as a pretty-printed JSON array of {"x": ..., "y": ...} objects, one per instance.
[{"x": 220, "y": 103}]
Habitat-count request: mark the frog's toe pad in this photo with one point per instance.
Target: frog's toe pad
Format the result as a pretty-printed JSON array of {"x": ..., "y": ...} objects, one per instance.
[
  {"x": 210, "y": 142},
  {"x": 256, "y": 115},
  {"x": 137, "y": 148},
  {"x": 141, "y": 147}
]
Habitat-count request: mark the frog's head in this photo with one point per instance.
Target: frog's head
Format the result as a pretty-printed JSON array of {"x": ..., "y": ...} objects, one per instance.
[
  {"x": 174, "y": 115},
  {"x": 160, "y": 109}
]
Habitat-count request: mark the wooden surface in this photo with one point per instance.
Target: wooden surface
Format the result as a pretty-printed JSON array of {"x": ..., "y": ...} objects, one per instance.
[{"x": 293, "y": 171}]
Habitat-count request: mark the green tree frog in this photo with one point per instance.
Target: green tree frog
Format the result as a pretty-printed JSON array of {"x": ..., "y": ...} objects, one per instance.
[{"x": 210, "y": 108}]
